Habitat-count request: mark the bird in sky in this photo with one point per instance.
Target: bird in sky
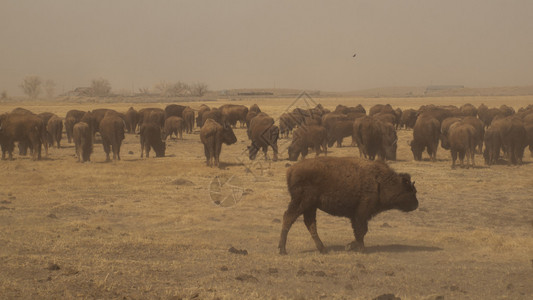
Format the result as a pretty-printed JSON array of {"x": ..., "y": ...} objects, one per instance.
[{"x": 354, "y": 54}]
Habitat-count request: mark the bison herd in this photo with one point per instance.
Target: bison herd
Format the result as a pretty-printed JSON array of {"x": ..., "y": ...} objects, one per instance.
[{"x": 496, "y": 133}]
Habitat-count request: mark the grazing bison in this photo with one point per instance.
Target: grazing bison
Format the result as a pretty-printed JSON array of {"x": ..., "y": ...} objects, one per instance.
[
  {"x": 263, "y": 133},
  {"x": 132, "y": 119},
  {"x": 173, "y": 125},
  {"x": 212, "y": 135},
  {"x": 90, "y": 119},
  {"x": 55, "y": 130},
  {"x": 347, "y": 110},
  {"x": 203, "y": 108},
  {"x": 27, "y": 129},
  {"x": 381, "y": 108},
  {"x": 145, "y": 115},
  {"x": 287, "y": 122},
  {"x": 151, "y": 138},
  {"x": 231, "y": 113},
  {"x": 462, "y": 138},
  {"x": 112, "y": 132},
  {"x": 188, "y": 117},
  {"x": 174, "y": 110},
  {"x": 345, "y": 187},
  {"x": 425, "y": 136},
  {"x": 408, "y": 118},
  {"x": 249, "y": 116},
  {"x": 72, "y": 117},
  {"x": 83, "y": 141},
  {"x": 308, "y": 136}
]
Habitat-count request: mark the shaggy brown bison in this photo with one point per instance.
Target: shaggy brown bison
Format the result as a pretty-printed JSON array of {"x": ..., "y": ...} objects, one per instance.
[
  {"x": 513, "y": 137},
  {"x": 203, "y": 108},
  {"x": 112, "y": 129},
  {"x": 345, "y": 187},
  {"x": 174, "y": 110},
  {"x": 374, "y": 137},
  {"x": 338, "y": 126},
  {"x": 231, "y": 113},
  {"x": 263, "y": 133},
  {"x": 73, "y": 116},
  {"x": 83, "y": 141},
  {"x": 153, "y": 114},
  {"x": 214, "y": 114},
  {"x": 381, "y": 108},
  {"x": 24, "y": 128},
  {"x": 132, "y": 118},
  {"x": 54, "y": 127},
  {"x": 444, "y": 130},
  {"x": 347, "y": 110},
  {"x": 425, "y": 136},
  {"x": 151, "y": 138},
  {"x": 468, "y": 110},
  {"x": 287, "y": 122},
  {"x": 305, "y": 137},
  {"x": 173, "y": 125},
  {"x": 493, "y": 144},
  {"x": 462, "y": 139},
  {"x": 212, "y": 135},
  {"x": 188, "y": 117},
  {"x": 408, "y": 118},
  {"x": 249, "y": 116}
]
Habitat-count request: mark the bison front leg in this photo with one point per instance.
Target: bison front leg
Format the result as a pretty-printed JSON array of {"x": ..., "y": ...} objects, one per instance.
[
  {"x": 360, "y": 228},
  {"x": 454, "y": 158},
  {"x": 290, "y": 215},
  {"x": 218, "y": 149},
  {"x": 310, "y": 222}
]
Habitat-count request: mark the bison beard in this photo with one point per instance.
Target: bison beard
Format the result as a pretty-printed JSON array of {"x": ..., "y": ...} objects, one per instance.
[{"x": 347, "y": 187}]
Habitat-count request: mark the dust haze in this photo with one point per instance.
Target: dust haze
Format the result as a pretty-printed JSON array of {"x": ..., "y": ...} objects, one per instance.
[{"x": 268, "y": 44}]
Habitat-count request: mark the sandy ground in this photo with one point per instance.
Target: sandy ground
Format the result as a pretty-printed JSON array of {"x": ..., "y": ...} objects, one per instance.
[{"x": 152, "y": 228}]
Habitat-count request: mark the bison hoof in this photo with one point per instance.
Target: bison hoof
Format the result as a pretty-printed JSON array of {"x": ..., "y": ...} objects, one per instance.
[
  {"x": 282, "y": 252},
  {"x": 323, "y": 250},
  {"x": 354, "y": 246}
]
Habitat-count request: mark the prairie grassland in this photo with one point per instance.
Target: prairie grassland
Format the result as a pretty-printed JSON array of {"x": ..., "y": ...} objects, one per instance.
[{"x": 149, "y": 228}]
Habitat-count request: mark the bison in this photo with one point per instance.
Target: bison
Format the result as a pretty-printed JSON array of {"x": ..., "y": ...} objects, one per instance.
[
  {"x": 112, "y": 132},
  {"x": 214, "y": 114},
  {"x": 27, "y": 129},
  {"x": 151, "y": 138},
  {"x": 305, "y": 137},
  {"x": 188, "y": 117},
  {"x": 231, "y": 113},
  {"x": 345, "y": 187},
  {"x": 55, "y": 130},
  {"x": 374, "y": 137},
  {"x": 73, "y": 116},
  {"x": 462, "y": 138},
  {"x": 203, "y": 108},
  {"x": 263, "y": 133},
  {"x": 151, "y": 113},
  {"x": 173, "y": 125},
  {"x": 83, "y": 141},
  {"x": 425, "y": 136},
  {"x": 212, "y": 135},
  {"x": 174, "y": 110},
  {"x": 493, "y": 144},
  {"x": 132, "y": 119},
  {"x": 408, "y": 118}
]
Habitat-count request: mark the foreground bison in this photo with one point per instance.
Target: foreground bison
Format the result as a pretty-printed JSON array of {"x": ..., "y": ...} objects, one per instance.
[
  {"x": 83, "y": 140},
  {"x": 346, "y": 187},
  {"x": 212, "y": 136}
]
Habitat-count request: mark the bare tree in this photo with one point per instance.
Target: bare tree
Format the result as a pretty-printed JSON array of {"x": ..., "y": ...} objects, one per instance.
[
  {"x": 50, "y": 88},
  {"x": 198, "y": 89},
  {"x": 166, "y": 89},
  {"x": 144, "y": 91},
  {"x": 31, "y": 86},
  {"x": 100, "y": 87}
]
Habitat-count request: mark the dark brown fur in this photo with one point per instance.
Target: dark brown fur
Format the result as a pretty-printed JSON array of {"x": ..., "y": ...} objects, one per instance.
[
  {"x": 151, "y": 138},
  {"x": 231, "y": 113},
  {"x": 462, "y": 137},
  {"x": 263, "y": 133},
  {"x": 174, "y": 110},
  {"x": 112, "y": 129},
  {"x": 305, "y": 137},
  {"x": 188, "y": 117},
  {"x": 173, "y": 125},
  {"x": 132, "y": 119},
  {"x": 83, "y": 141},
  {"x": 55, "y": 130},
  {"x": 203, "y": 108},
  {"x": 72, "y": 117},
  {"x": 23, "y": 128},
  {"x": 346, "y": 187},
  {"x": 212, "y": 135},
  {"x": 425, "y": 136}
]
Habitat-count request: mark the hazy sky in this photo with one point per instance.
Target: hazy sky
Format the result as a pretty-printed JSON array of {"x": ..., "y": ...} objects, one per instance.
[{"x": 265, "y": 44}]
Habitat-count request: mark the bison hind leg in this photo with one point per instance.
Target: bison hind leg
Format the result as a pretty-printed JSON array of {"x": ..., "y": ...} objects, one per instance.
[{"x": 310, "y": 223}]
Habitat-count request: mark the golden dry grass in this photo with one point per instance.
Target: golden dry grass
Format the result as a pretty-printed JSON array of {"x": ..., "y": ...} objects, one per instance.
[{"x": 148, "y": 228}]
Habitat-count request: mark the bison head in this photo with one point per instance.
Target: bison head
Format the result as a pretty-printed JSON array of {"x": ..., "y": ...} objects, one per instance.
[
  {"x": 252, "y": 151},
  {"x": 293, "y": 152},
  {"x": 417, "y": 150},
  {"x": 399, "y": 194},
  {"x": 228, "y": 136}
]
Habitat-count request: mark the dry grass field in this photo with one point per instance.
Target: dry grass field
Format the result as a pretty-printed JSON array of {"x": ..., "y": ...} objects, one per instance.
[{"x": 150, "y": 228}]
